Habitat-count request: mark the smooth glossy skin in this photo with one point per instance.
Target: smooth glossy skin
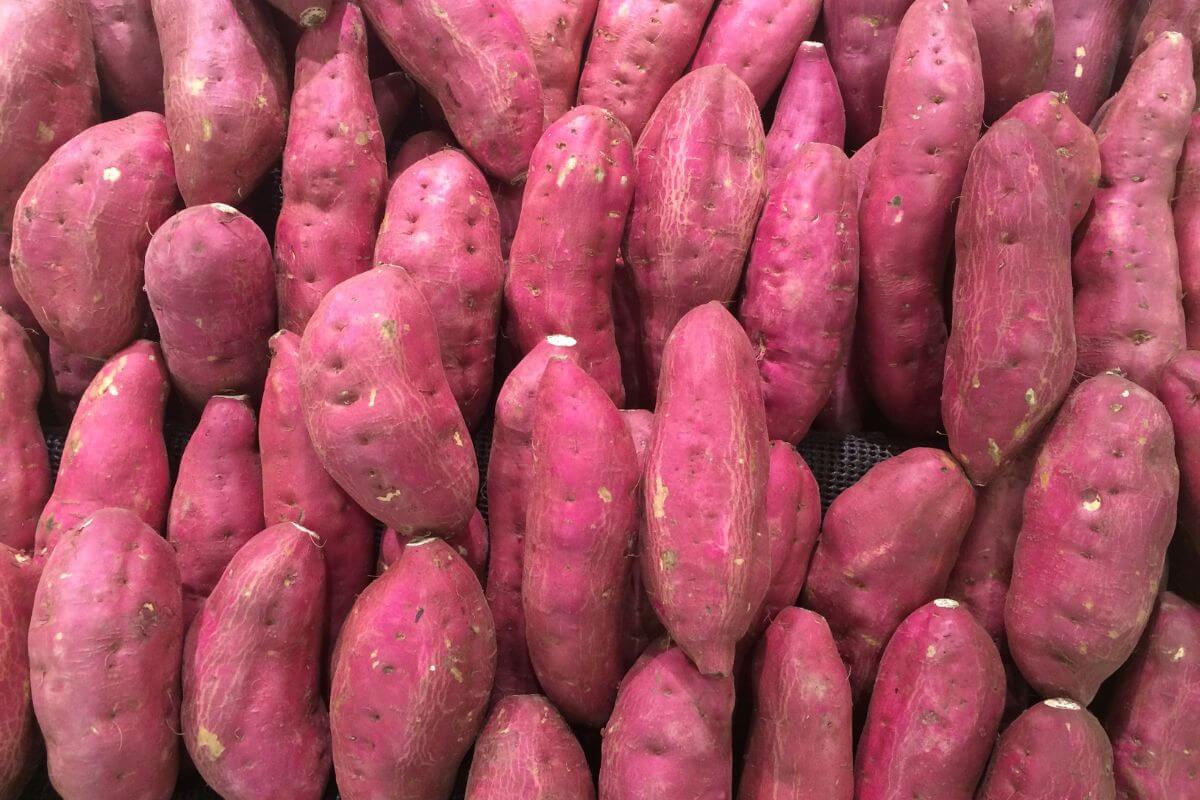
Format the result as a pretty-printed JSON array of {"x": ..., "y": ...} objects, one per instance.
[
  {"x": 128, "y": 57},
  {"x": 810, "y": 109}
]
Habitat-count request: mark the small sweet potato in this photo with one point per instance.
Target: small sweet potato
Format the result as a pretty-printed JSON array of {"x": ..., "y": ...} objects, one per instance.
[
  {"x": 810, "y": 109},
  {"x": 1016, "y": 42},
  {"x": 25, "y": 478},
  {"x": 128, "y": 58},
  {"x": 1178, "y": 391},
  {"x": 20, "y": 743},
  {"x": 557, "y": 31},
  {"x": 471, "y": 543},
  {"x": 394, "y": 94},
  {"x": 416, "y": 147},
  {"x": 305, "y": 13},
  {"x": 1186, "y": 213},
  {"x": 1087, "y": 42}
]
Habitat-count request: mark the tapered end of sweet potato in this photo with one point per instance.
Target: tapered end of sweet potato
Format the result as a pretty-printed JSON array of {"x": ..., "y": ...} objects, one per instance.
[{"x": 313, "y": 16}]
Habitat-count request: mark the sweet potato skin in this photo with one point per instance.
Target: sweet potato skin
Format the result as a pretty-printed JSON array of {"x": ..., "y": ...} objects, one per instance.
[
  {"x": 642, "y": 626},
  {"x": 705, "y": 558},
  {"x": 394, "y": 95},
  {"x": 1087, "y": 42},
  {"x": 1178, "y": 390},
  {"x": 305, "y": 13},
  {"x": 416, "y": 147},
  {"x": 1016, "y": 42},
  {"x": 105, "y": 645},
  {"x": 128, "y": 57},
  {"x": 20, "y": 743},
  {"x": 471, "y": 543},
  {"x": 557, "y": 31},
  {"x": 70, "y": 373},
  {"x": 810, "y": 109},
  {"x": 420, "y": 638},
  {"x": 1186, "y": 214},
  {"x": 1099, "y": 513},
  {"x": 1167, "y": 15},
  {"x": 25, "y": 479},
  {"x": 81, "y": 228}
]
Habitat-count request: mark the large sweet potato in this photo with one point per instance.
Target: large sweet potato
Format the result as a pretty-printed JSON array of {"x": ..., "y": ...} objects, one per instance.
[
  {"x": 128, "y": 58},
  {"x": 810, "y": 109},
  {"x": 1016, "y": 42},
  {"x": 1186, "y": 213},
  {"x": 557, "y": 31},
  {"x": 1087, "y": 42},
  {"x": 25, "y": 478},
  {"x": 1178, "y": 391},
  {"x": 20, "y": 744}
]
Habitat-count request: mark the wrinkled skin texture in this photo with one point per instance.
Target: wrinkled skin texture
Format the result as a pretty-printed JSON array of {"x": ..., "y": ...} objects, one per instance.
[
  {"x": 1016, "y": 42},
  {"x": 25, "y": 479},
  {"x": 641, "y": 625},
  {"x": 1186, "y": 212},
  {"x": 1087, "y": 42},
  {"x": 471, "y": 543},
  {"x": 1179, "y": 392},
  {"x": 557, "y": 31},
  {"x": 20, "y": 742},
  {"x": 128, "y": 57},
  {"x": 810, "y": 109}
]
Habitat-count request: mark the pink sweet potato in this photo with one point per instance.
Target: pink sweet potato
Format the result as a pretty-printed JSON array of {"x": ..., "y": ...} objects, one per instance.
[
  {"x": 887, "y": 546},
  {"x": 810, "y": 109},
  {"x": 217, "y": 504},
  {"x": 20, "y": 743},
  {"x": 411, "y": 678},
  {"x": 128, "y": 57},
  {"x": 471, "y": 543},
  {"x": 670, "y": 732},
  {"x": 508, "y": 198},
  {"x": 226, "y": 91},
  {"x": 114, "y": 454},
  {"x": 394, "y": 95},
  {"x": 70, "y": 373},
  {"x": 757, "y": 39},
  {"x": 1161, "y": 16},
  {"x": 1128, "y": 314},
  {"x": 1099, "y": 513},
  {"x": 557, "y": 31},
  {"x": 563, "y": 256},
  {"x": 105, "y": 646},
  {"x": 379, "y": 409},
  {"x": 697, "y": 195},
  {"x": 334, "y": 168},
  {"x": 474, "y": 58},
  {"x": 1087, "y": 42},
  {"x": 442, "y": 227},
  {"x": 801, "y": 287},
  {"x": 641, "y": 626},
  {"x": 705, "y": 558},
  {"x": 212, "y": 293},
  {"x": 1179, "y": 391},
  {"x": 81, "y": 228},
  {"x": 801, "y": 732},
  {"x": 254, "y": 721},
  {"x": 1016, "y": 42},
  {"x": 305, "y": 13},
  {"x": 416, "y": 147},
  {"x": 1054, "y": 751},
  {"x": 526, "y": 750},
  {"x": 25, "y": 478},
  {"x": 626, "y": 315},
  {"x": 1187, "y": 230},
  {"x": 580, "y": 520},
  {"x": 931, "y": 118}
]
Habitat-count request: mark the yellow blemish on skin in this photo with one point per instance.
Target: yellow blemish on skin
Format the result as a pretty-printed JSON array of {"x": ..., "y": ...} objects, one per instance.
[
  {"x": 667, "y": 560},
  {"x": 389, "y": 497},
  {"x": 1088, "y": 605},
  {"x": 261, "y": 100},
  {"x": 433, "y": 667},
  {"x": 149, "y": 607},
  {"x": 567, "y": 169},
  {"x": 457, "y": 674},
  {"x": 660, "y": 497},
  {"x": 458, "y": 439},
  {"x": 599, "y": 173},
  {"x": 1178, "y": 655},
  {"x": 343, "y": 128},
  {"x": 994, "y": 451},
  {"x": 1079, "y": 70},
  {"x": 604, "y": 494},
  {"x": 207, "y": 740},
  {"x": 1080, "y": 51},
  {"x": 737, "y": 562},
  {"x": 187, "y": 148},
  {"x": 1114, "y": 635},
  {"x": 112, "y": 174},
  {"x": 1044, "y": 478},
  {"x": 1091, "y": 500},
  {"x": 1083, "y": 649},
  {"x": 624, "y": 179},
  {"x": 930, "y": 651},
  {"x": 388, "y": 329},
  {"x": 196, "y": 85},
  {"x": 1115, "y": 407},
  {"x": 871, "y": 640},
  {"x": 975, "y": 382},
  {"x": 1030, "y": 397},
  {"x": 45, "y": 133},
  {"x": 58, "y": 636},
  {"x": 206, "y": 130},
  {"x": 362, "y": 138},
  {"x": 371, "y": 398}
]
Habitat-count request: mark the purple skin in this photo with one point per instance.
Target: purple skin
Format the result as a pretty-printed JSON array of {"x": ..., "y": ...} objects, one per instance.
[
  {"x": 809, "y": 109},
  {"x": 416, "y": 147},
  {"x": 557, "y": 31},
  {"x": 70, "y": 374},
  {"x": 1187, "y": 230},
  {"x": 25, "y": 481},
  {"x": 394, "y": 97},
  {"x": 1179, "y": 389},
  {"x": 128, "y": 57},
  {"x": 20, "y": 743},
  {"x": 471, "y": 543},
  {"x": 1167, "y": 15},
  {"x": 1087, "y": 42},
  {"x": 641, "y": 626},
  {"x": 1016, "y": 42}
]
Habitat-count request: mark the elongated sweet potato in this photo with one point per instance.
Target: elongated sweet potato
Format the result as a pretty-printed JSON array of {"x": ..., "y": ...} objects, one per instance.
[
  {"x": 705, "y": 558},
  {"x": 1126, "y": 265},
  {"x": 128, "y": 58},
  {"x": 810, "y": 109},
  {"x": 557, "y": 31},
  {"x": 1087, "y": 42},
  {"x": 114, "y": 454},
  {"x": 526, "y": 750},
  {"x": 1186, "y": 213},
  {"x": 801, "y": 287},
  {"x": 334, "y": 168},
  {"x": 394, "y": 94},
  {"x": 1099, "y": 513},
  {"x": 471, "y": 543},
  {"x": 626, "y": 327},
  {"x": 564, "y": 253},
  {"x": 105, "y": 645},
  {"x": 411, "y": 677},
  {"x": 20, "y": 743},
  {"x": 802, "y": 731},
  {"x": 887, "y": 546},
  {"x": 81, "y": 228},
  {"x": 641, "y": 625},
  {"x": 25, "y": 479},
  {"x": 442, "y": 227},
  {"x": 1178, "y": 391},
  {"x": 416, "y": 147},
  {"x": 1161, "y": 16},
  {"x": 305, "y": 13},
  {"x": 697, "y": 195},
  {"x": 254, "y": 721},
  {"x": 1016, "y": 42}
]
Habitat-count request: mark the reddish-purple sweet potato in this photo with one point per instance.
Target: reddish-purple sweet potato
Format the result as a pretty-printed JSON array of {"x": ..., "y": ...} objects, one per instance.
[
  {"x": 474, "y": 58},
  {"x": 557, "y": 31},
  {"x": 379, "y": 410},
  {"x": 105, "y": 646},
  {"x": 1187, "y": 230},
  {"x": 1161, "y": 16},
  {"x": 564, "y": 253},
  {"x": 416, "y": 147},
  {"x": 394, "y": 94},
  {"x": 471, "y": 543},
  {"x": 1054, "y": 751},
  {"x": 801, "y": 732},
  {"x": 1087, "y": 42},
  {"x": 253, "y": 718},
  {"x": 128, "y": 57},
  {"x": 305, "y": 13},
  {"x": 810, "y": 109},
  {"x": 641, "y": 625},
  {"x": 526, "y": 750},
  {"x": 217, "y": 504},
  {"x": 212, "y": 293},
  {"x": 1099, "y": 513},
  {"x": 757, "y": 39},
  {"x": 801, "y": 287},
  {"x": 442, "y": 227},
  {"x": 1179, "y": 391},
  {"x": 705, "y": 558},
  {"x": 25, "y": 478},
  {"x": 1128, "y": 314},
  {"x": 334, "y": 168},
  {"x": 697, "y": 195},
  {"x": 887, "y": 546},
  {"x": 411, "y": 678},
  {"x": 670, "y": 732},
  {"x": 114, "y": 454},
  {"x": 1016, "y": 42},
  {"x": 81, "y": 228},
  {"x": 20, "y": 744},
  {"x": 70, "y": 374}
]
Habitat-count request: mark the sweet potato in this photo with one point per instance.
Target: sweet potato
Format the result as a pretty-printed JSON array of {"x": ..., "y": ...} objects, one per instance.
[
  {"x": 25, "y": 479},
  {"x": 1128, "y": 314},
  {"x": 105, "y": 645},
  {"x": 810, "y": 109},
  {"x": 81, "y": 228},
  {"x": 114, "y": 454},
  {"x": 641, "y": 626},
  {"x": 378, "y": 408},
  {"x": 526, "y": 750},
  {"x": 128, "y": 58},
  {"x": 887, "y": 546},
  {"x": 1016, "y": 42},
  {"x": 705, "y": 558},
  {"x": 334, "y": 168},
  {"x": 471, "y": 543},
  {"x": 411, "y": 677},
  {"x": 801, "y": 287},
  {"x": 217, "y": 504},
  {"x": 475, "y": 60},
  {"x": 670, "y": 732},
  {"x": 1151, "y": 718},
  {"x": 70, "y": 374},
  {"x": 1087, "y": 42},
  {"x": 20, "y": 743},
  {"x": 557, "y": 31},
  {"x": 442, "y": 227},
  {"x": 254, "y": 721},
  {"x": 802, "y": 731},
  {"x": 563, "y": 255},
  {"x": 1099, "y": 513},
  {"x": 226, "y": 88},
  {"x": 697, "y": 195},
  {"x": 1161, "y": 16},
  {"x": 394, "y": 95},
  {"x": 305, "y": 13},
  {"x": 212, "y": 292},
  {"x": 757, "y": 39},
  {"x": 638, "y": 50},
  {"x": 1054, "y": 751},
  {"x": 416, "y": 147},
  {"x": 1178, "y": 391},
  {"x": 1186, "y": 215},
  {"x": 626, "y": 316}
]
